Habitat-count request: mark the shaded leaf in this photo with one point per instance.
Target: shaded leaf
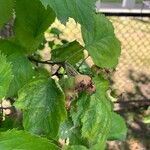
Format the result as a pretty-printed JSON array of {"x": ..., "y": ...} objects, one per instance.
[
  {"x": 99, "y": 146},
  {"x": 101, "y": 42},
  {"x": 96, "y": 121},
  {"x": 71, "y": 52},
  {"x": 75, "y": 147},
  {"x": 69, "y": 132},
  {"x": 118, "y": 129},
  {"x": 42, "y": 103},
  {"x": 81, "y": 11},
  {"x": 21, "y": 67},
  {"x": 79, "y": 109},
  {"x": 56, "y": 31},
  {"x": 5, "y": 75},
  {"x": 67, "y": 83},
  {"x": 6, "y": 10},
  {"x": 31, "y": 22},
  {"x": 21, "y": 140},
  {"x": 22, "y": 71},
  {"x": 10, "y": 123},
  {"x": 8, "y": 47},
  {"x": 84, "y": 68}
]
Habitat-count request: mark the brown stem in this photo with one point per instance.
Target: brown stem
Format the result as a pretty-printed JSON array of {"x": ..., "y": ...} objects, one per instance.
[{"x": 45, "y": 62}]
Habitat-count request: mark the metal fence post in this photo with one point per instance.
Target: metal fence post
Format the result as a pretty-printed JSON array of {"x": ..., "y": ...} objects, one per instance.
[{"x": 128, "y": 3}]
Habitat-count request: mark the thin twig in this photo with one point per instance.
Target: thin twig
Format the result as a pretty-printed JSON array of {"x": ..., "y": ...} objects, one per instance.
[{"x": 45, "y": 62}]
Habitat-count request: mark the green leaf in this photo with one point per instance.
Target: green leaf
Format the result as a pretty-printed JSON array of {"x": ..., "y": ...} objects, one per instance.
[
  {"x": 55, "y": 31},
  {"x": 21, "y": 67},
  {"x": 6, "y": 9},
  {"x": 11, "y": 122},
  {"x": 101, "y": 42},
  {"x": 31, "y": 22},
  {"x": 84, "y": 68},
  {"x": 69, "y": 132},
  {"x": 67, "y": 83},
  {"x": 6, "y": 124},
  {"x": 93, "y": 115},
  {"x": 64, "y": 128},
  {"x": 79, "y": 109},
  {"x": 75, "y": 147},
  {"x": 71, "y": 52},
  {"x": 96, "y": 121},
  {"x": 42, "y": 103},
  {"x": 81, "y": 10},
  {"x": 8, "y": 47},
  {"x": 118, "y": 129},
  {"x": 146, "y": 119},
  {"x": 22, "y": 71},
  {"x": 5, "y": 75},
  {"x": 100, "y": 146},
  {"x": 21, "y": 140}
]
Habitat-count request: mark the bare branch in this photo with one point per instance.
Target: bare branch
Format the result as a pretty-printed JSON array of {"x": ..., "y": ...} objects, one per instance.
[{"x": 45, "y": 62}]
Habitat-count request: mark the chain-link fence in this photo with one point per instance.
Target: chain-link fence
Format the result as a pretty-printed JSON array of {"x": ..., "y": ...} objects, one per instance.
[
  {"x": 132, "y": 75},
  {"x": 133, "y": 72}
]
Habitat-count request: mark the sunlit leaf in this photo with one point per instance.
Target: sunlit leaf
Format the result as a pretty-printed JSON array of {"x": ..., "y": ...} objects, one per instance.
[
  {"x": 42, "y": 103},
  {"x": 96, "y": 121},
  {"x": 21, "y": 140},
  {"x": 75, "y": 147},
  {"x": 71, "y": 52},
  {"x": 101, "y": 42},
  {"x": 5, "y": 75}
]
